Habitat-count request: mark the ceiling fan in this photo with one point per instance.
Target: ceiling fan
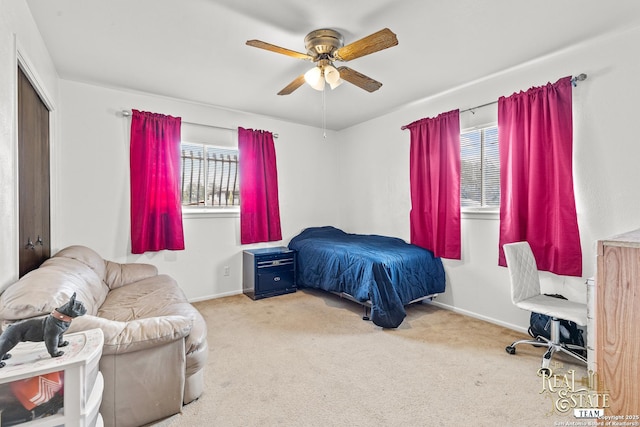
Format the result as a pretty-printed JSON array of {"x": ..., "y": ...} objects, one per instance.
[{"x": 324, "y": 47}]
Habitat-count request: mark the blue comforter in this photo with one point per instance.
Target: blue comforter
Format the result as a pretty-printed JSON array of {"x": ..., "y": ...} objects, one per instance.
[{"x": 386, "y": 271}]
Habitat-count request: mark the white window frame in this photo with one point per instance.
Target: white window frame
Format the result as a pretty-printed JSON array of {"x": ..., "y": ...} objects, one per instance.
[
  {"x": 210, "y": 211},
  {"x": 479, "y": 212}
]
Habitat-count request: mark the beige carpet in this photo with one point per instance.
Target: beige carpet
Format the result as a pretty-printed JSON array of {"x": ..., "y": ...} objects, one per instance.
[{"x": 308, "y": 359}]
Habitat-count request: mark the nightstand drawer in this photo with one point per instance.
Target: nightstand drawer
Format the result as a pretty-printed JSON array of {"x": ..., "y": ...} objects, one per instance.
[
  {"x": 274, "y": 280},
  {"x": 285, "y": 263}
]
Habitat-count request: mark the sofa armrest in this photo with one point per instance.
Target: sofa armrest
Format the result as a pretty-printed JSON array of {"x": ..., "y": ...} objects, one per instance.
[
  {"x": 135, "y": 335},
  {"x": 117, "y": 275}
]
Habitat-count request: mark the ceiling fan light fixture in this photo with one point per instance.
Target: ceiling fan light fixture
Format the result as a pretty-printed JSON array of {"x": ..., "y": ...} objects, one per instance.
[
  {"x": 314, "y": 78},
  {"x": 331, "y": 75}
]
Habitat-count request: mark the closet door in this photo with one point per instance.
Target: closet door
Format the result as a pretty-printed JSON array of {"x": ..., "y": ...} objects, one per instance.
[{"x": 33, "y": 177}]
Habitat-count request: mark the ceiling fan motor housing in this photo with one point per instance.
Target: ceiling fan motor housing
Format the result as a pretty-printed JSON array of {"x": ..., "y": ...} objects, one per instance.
[{"x": 323, "y": 42}]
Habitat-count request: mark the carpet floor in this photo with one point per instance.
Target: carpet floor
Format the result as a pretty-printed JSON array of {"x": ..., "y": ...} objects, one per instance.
[{"x": 308, "y": 359}]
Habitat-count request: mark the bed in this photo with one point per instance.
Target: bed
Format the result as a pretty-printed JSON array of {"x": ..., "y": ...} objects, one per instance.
[{"x": 380, "y": 272}]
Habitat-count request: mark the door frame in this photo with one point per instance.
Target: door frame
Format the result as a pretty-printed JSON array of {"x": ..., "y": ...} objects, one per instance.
[{"x": 30, "y": 71}]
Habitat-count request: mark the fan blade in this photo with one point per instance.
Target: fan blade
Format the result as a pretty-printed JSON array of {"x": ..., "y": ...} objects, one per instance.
[
  {"x": 383, "y": 39},
  {"x": 359, "y": 79},
  {"x": 299, "y": 81},
  {"x": 278, "y": 49}
]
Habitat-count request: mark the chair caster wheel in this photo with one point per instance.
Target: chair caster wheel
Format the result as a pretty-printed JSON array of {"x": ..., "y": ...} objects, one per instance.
[
  {"x": 510, "y": 349},
  {"x": 546, "y": 372}
]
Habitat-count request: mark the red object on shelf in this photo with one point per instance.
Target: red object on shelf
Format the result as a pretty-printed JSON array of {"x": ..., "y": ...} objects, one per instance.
[{"x": 35, "y": 391}]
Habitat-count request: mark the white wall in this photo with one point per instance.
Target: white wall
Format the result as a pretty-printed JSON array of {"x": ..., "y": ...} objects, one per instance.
[
  {"x": 94, "y": 185},
  {"x": 375, "y": 169},
  {"x": 18, "y": 37}
]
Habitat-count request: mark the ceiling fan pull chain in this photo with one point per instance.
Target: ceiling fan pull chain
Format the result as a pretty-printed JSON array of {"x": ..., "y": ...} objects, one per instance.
[{"x": 324, "y": 114}]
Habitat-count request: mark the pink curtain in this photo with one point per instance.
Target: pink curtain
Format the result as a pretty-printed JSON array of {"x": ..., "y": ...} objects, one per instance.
[
  {"x": 259, "y": 208},
  {"x": 537, "y": 204},
  {"x": 435, "y": 184},
  {"x": 156, "y": 211}
]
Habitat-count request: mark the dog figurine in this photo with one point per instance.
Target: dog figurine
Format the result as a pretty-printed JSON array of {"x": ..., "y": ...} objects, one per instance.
[{"x": 49, "y": 329}]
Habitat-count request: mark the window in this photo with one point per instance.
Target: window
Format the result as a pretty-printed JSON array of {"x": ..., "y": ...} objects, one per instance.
[
  {"x": 209, "y": 176},
  {"x": 480, "y": 168}
]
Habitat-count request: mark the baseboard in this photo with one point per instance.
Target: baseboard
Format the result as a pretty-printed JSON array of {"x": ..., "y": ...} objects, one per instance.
[
  {"x": 215, "y": 296},
  {"x": 479, "y": 316}
]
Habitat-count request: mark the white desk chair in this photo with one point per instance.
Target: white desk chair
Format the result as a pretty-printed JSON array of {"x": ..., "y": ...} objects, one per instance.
[{"x": 526, "y": 294}]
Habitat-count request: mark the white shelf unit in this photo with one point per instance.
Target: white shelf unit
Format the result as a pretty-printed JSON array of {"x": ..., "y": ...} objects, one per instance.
[{"x": 83, "y": 382}]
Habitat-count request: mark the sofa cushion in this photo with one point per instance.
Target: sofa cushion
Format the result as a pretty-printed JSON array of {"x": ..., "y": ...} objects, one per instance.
[
  {"x": 86, "y": 256},
  {"x": 140, "y": 334},
  {"x": 117, "y": 275},
  {"x": 156, "y": 297},
  {"x": 50, "y": 286}
]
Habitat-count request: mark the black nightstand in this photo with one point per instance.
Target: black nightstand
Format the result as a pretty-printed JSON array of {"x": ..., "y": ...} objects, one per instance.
[{"x": 268, "y": 272}]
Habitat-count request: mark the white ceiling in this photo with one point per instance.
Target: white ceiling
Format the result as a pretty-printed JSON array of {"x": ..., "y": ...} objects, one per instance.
[{"x": 195, "y": 49}]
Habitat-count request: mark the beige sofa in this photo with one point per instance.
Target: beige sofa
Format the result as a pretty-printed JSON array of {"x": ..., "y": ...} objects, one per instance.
[{"x": 155, "y": 341}]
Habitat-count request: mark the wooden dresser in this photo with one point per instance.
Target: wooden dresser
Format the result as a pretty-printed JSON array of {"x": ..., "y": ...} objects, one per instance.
[{"x": 617, "y": 319}]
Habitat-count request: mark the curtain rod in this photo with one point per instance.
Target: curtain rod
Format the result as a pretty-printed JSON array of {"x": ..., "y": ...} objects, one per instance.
[
  {"x": 127, "y": 113},
  {"x": 574, "y": 83}
]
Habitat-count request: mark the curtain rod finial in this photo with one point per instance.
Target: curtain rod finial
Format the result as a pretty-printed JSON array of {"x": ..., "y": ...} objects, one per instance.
[{"x": 578, "y": 78}]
